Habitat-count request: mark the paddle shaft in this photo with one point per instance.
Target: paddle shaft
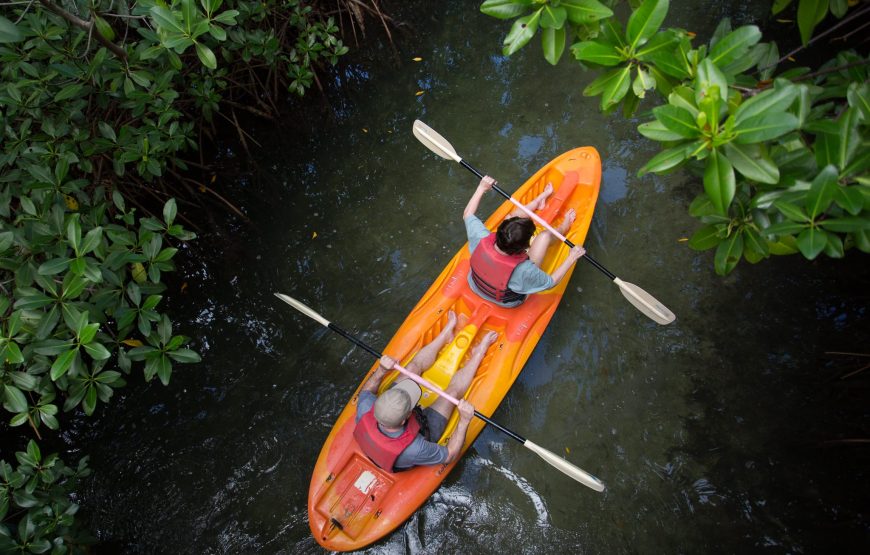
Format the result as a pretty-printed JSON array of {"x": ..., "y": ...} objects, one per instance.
[
  {"x": 538, "y": 219},
  {"x": 422, "y": 381}
]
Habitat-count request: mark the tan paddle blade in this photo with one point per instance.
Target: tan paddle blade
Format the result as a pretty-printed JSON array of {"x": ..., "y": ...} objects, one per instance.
[
  {"x": 645, "y": 302},
  {"x": 564, "y": 466},
  {"x": 303, "y": 308},
  {"x": 434, "y": 142}
]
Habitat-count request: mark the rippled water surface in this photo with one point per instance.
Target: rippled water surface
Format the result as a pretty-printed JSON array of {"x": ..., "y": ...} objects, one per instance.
[{"x": 709, "y": 432}]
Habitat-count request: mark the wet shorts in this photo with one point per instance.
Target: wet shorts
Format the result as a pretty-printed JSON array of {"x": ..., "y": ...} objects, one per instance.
[{"x": 435, "y": 424}]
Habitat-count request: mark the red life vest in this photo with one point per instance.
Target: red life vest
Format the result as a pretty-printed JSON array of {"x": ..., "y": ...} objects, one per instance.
[
  {"x": 381, "y": 448},
  {"x": 491, "y": 271}
]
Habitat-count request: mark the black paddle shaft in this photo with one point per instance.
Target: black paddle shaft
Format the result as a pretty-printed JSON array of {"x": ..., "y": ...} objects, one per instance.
[
  {"x": 571, "y": 245},
  {"x": 378, "y": 355}
]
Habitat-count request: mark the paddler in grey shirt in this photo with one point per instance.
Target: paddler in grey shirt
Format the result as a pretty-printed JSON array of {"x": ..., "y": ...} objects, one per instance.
[
  {"x": 507, "y": 269},
  {"x": 386, "y": 433}
]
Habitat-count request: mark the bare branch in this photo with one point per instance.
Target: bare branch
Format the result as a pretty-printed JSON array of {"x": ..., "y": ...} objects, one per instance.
[{"x": 85, "y": 25}]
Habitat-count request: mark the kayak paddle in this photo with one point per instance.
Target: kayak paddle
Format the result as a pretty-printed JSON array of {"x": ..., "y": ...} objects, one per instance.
[
  {"x": 561, "y": 464},
  {"x": 642, "y": 300}
]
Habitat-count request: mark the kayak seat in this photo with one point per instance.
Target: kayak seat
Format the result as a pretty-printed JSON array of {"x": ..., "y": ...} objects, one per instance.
[{"x": 559, "y": 197}]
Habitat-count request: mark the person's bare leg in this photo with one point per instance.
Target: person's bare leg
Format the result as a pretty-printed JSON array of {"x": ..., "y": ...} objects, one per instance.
[
  {"x": 426, "y": 356},
  {"x": 462, "y": 379},
  {"x": 543, "y": 240},
  {"x": 536, "y": 204}
]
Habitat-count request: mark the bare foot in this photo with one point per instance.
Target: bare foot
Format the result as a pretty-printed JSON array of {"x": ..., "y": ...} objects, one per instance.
[
  {"x": 541, "y": 199},
  {"x": 447, "y": 331},
  {"x": 480, "y": 348},
  {"x": 570, "y": 216}
]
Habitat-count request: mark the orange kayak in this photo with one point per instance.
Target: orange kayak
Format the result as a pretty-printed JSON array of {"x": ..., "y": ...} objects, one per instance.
[{"x": 352, "y": 502}]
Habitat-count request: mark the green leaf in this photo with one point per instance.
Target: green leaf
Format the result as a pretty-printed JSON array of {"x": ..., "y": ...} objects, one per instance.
[
  {"x": 184, "y": 356},
  {"x": 773, "y": 100},
  {"x": 505, "y": 9},
  {"x": 616, "y": 88},
  {"x": 585, "y": 11},
  {"x": 89, "y": 403},
  {"x": 668, "y": 159},
  {"x": 164, "y": 369},
  {"x": 596, "y": 53},
  {"x": 748, "y": 160},
  {"x": 521, "y": 32},
  {"x": 104, "y": 28},
  {"x": 13, "y": 353},
  {"x": 764, "y": 127},
  {"x": 13, "y": 399},
  {"x": 87, "y": 333},
  {"x": 850, "y": 199},
  {"x": 678, "y": 120},
  {"x": 792, "y": 212},
  {"x": 706, "y": 238},
  {"x": 68, "y": 92},
  {"x": 62, "y": 364},
  {"x": 834, "y": 247},
  {"x": 812, "y": 242},
  {"x": 601, "y": 82},
  {"x": 74, "y": 234},
  {"x": 165, "y": 19},
  {"x": 728, "y": 254},
  {"x": 97, "y": 351},
  {"x": 227, "y": 17},
  {"x": 809, "y": 14},
  {"x": 642, "y": 83},
  {"x": 827, "y": 148},
  {"x": 847, "y": 224},
  {"x": 734, "y": 45},
  {"x": 839, "y": 8},
  {"x": 206, "y": 56},
  {"x": 862, "y": 240},
  {"x": 684, "y": 97},
  {"x": 553, "y": 17},
  {"x": 660, "y": 45},
  {"x": 553, "y": 44},
  {"x": 92, "y": 240},
  {"x": 611, "y": 31},
  {"x": 822, "y": 191},
  {"x": 9, "y": 33},
  {"x": 754, "y": 245},
  {"x": 645, "y": 21},
  {"x": 719, "y": 182},
  {"x": 858, "y": 95},
  {"x": 188, "y": 14},
  {"x": 656, "y": 131},
  {"x": 710, "y": 79},
  {"x": 53, "y": 266},
  {"x": 850, "y": 139},
  {"x": 779, "y": 5}
]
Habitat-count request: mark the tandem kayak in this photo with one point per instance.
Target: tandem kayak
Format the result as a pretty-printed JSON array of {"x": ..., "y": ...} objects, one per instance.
[{"x": 351, "y": 501}]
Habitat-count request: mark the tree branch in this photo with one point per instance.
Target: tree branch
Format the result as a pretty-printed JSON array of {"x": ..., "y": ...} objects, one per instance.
[{"x": 85, "y": 25}]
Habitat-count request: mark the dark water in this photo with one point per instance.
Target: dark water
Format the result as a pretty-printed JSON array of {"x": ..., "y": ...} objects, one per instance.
[{"x": 710, "y": 433}]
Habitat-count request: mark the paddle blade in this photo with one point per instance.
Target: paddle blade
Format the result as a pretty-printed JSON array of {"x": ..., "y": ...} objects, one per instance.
[
  {"x": 561, "y": 464},
  {"x": 645, "y": 302},
  {"x": 302, "y": 308},
  {"x": 434, "y": 142}
]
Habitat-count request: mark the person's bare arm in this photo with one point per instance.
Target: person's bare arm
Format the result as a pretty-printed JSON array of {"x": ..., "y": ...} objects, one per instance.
[
  {"x": 474, "y": 202},
  {"x": 454, "y": 445},
  {"x": 573, "y": 255},
  {"x": 374, "y": 381}
]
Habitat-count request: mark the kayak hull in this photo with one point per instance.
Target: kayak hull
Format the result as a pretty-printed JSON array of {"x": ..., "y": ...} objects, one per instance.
[{"x": 353, "y": 503}]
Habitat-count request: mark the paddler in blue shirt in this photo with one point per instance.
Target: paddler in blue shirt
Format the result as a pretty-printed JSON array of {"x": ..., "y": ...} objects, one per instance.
[
  {"x": 505, "y": 269},
  {"x": 395, "y": 435}
]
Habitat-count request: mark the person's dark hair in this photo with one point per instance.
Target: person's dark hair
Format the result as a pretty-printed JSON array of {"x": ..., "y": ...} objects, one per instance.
[{"x": 513, "y": 235}]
